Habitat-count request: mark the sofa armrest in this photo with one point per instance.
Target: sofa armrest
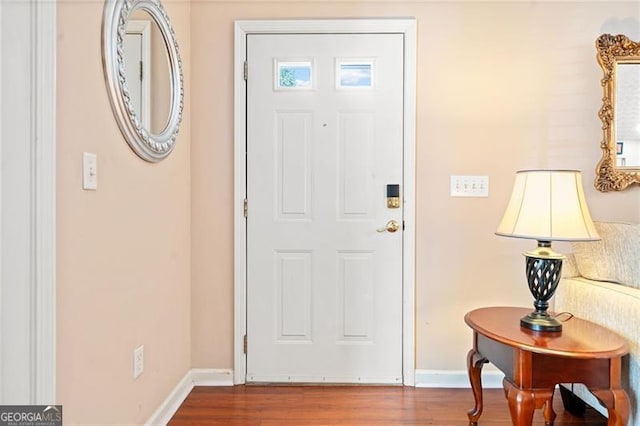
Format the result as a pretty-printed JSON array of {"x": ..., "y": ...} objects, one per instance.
[{"x": 615, "y": 307}]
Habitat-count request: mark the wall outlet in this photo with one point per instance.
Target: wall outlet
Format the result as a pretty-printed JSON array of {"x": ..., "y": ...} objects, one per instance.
[
  {"x": 138, "y": 361},
  {"x": 469, "y": 186}
]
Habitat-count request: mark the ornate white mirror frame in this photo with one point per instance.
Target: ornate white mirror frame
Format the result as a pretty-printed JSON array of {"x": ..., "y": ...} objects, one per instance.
[
  {"x": 149, "y": 146},
  {"x": 612, "y": 51}
]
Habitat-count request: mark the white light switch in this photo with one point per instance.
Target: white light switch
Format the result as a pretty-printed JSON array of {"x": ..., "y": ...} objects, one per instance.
[
  {"x": 469, "y": 186},
  {"x": 89, "y": 171}
]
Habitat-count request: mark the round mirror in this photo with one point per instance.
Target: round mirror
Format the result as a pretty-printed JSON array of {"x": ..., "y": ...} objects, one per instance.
[{"x": 143, "y": 73}]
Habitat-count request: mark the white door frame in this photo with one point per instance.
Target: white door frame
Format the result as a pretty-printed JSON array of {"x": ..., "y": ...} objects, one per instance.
[
  {"x": 408, "y": 28},
  {"x": 35, "y": 22}
]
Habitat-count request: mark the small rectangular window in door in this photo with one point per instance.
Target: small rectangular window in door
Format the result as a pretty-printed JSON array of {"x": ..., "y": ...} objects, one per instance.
[
  {"x": 293, "y": 74},
  {"x": 354, "y": 74}
]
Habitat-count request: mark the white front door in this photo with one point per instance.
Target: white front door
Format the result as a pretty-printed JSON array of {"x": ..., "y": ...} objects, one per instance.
[{"x": 324, "y": 145}]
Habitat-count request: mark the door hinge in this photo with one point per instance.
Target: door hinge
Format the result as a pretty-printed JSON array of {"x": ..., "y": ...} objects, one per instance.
[
  {"x": 141, "y": 71},
  {"x": 246, "y": 208},
  {"x": 246, "y": 70},
  {"x": 244, "y": 345}
]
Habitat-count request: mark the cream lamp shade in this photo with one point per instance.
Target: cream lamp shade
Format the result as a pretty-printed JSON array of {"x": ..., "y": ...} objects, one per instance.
[{"x": 548, "y": 205}]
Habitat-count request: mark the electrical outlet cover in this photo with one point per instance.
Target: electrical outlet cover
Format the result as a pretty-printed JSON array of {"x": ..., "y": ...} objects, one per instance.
[{"x": 138, "y": 361}]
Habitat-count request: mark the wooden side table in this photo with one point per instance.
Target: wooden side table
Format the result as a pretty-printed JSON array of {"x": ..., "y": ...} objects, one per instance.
[{"x": 534, "y": 362}]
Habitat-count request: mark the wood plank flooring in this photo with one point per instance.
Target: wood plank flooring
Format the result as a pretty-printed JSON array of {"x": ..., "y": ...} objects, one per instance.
[{"x": 352, "y": 405}]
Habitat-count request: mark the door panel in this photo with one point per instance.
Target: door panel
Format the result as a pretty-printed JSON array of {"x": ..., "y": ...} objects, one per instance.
[
  {"x": 293, "y": 165},
  {"x": 355, "y": 142},
  {"x": 324, "y": 138},
  {"x": 293, "y": 278}
]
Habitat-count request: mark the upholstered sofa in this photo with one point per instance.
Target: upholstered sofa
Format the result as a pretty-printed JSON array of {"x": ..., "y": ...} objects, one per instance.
[{"x": 601, "y": 283}]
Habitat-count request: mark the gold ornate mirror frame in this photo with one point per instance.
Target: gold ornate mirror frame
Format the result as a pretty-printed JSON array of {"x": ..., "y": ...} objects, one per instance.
[{"x": 611, "y": 51}]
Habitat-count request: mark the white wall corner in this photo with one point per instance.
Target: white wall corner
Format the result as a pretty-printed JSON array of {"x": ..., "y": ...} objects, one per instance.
[
  {"x": 456, "y": 379},
  {"x": 194, "y": 377}
]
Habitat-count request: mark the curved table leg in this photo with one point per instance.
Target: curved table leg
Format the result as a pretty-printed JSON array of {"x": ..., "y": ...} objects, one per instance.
[
  {"x": 549, "y": 414},
  {"x": 617, "y": 403},
  {"x": 522, "y": 404},
  {"x": 475, "y": 362}
]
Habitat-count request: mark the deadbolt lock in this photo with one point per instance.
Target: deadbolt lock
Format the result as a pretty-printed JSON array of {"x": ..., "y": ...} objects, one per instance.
[{"x": 393, "y": 196}]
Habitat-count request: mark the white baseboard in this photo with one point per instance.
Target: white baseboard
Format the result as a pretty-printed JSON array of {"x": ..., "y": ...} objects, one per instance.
[
  {"x": 455, "y": 379},
  {"x": 194, "y": 377},
  {"x": 211, "y": 377}
]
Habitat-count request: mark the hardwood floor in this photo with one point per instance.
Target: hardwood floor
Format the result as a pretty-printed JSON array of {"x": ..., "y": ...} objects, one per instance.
[{"x": 352, "y": 405}]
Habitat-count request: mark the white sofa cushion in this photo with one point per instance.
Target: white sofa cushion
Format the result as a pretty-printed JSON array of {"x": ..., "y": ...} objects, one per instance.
[{"x": 614, "y": 258}]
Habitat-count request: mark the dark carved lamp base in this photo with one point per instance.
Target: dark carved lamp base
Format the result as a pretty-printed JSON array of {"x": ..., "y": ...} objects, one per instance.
[
  {"x": 544, "y": 268},
  {"x": 540, "y": 322}
]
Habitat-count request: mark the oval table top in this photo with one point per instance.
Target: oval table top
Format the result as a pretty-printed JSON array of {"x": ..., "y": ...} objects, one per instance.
[{"x": 578, "y": 339}]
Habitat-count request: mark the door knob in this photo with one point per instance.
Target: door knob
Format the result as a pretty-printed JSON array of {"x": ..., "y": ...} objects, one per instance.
[{"x": 392, "y": 226}]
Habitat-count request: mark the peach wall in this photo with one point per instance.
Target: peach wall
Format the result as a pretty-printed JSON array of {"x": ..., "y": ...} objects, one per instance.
[
  {"x": 502, "y": 86},
  {"x": 123, "y": 251}
]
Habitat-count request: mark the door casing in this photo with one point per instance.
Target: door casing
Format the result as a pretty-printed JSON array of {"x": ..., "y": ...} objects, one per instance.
[
  {"x": 28, "y": 336},
  {"x": 408, "y": 28}
]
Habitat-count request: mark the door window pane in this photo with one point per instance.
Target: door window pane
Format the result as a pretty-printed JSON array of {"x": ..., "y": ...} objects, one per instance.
[
  {"x": 294, "y": 75},
  {"x": 354, "y": 74}
]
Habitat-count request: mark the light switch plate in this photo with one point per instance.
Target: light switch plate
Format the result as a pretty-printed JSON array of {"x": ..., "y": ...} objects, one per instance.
[
  {"x": 469, "y": 186},
  {"x": 138, "y": 361},
  {"x": 89, "y": 171}
]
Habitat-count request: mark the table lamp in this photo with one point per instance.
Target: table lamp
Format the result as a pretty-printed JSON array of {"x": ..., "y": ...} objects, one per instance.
[{"x": 546, "y": 205}]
